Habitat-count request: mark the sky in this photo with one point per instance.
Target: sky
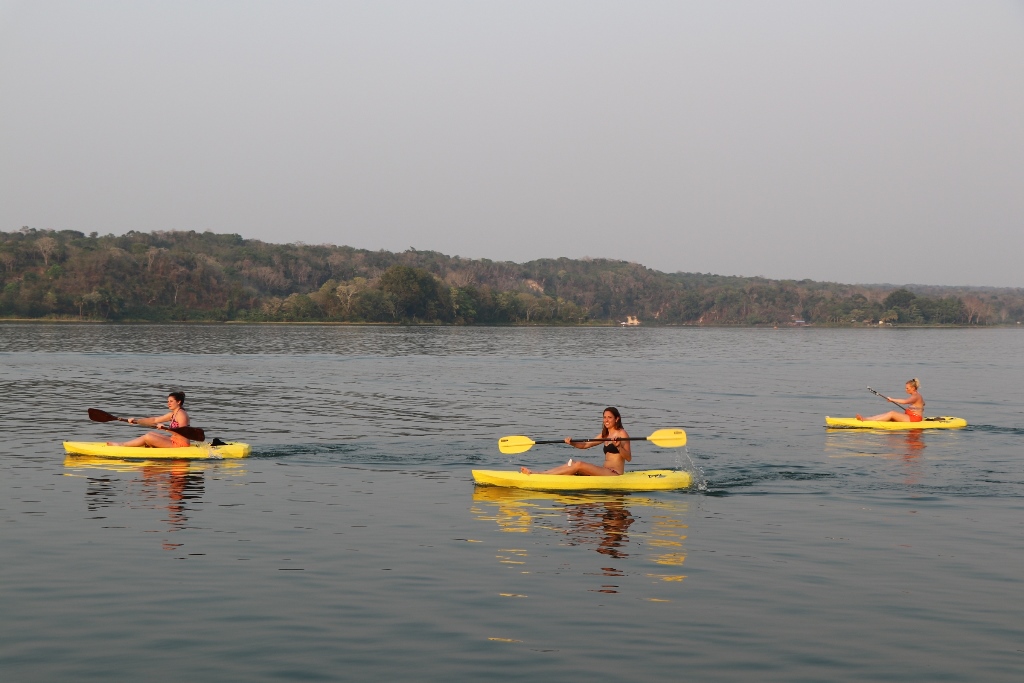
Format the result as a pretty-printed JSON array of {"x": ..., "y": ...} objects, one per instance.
[{"x": 858, "y": 142}]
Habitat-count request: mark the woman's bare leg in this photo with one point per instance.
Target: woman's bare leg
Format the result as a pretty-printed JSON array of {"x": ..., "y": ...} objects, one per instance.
[
  {"x": 151, "y": 439},
  {"x": 891, "y": 416},
  {"x": 576, "y": 467}
]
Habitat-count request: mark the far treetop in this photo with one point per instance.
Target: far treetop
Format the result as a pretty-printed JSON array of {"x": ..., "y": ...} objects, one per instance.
[{"x": 190, "y": 276}]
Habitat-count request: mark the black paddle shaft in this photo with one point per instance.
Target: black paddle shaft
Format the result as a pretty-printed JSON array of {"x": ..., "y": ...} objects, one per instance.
[
  {"x": 886, "y": 398},
  {"x": 632, "y": 438}
]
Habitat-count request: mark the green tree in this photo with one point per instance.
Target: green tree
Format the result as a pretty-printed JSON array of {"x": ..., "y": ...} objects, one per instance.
[
  {"x": 901, "y": 298},
  {"x": 415, "y": 292},
  {"x": 464, "y": 303},
  {"x": 373, "y": 306}
]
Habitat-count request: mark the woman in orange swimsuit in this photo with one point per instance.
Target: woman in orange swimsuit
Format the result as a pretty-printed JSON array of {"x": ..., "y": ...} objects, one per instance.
[
  {"x": 177, "y": 417},
  {"x": 914, "y": 412},
  {"x": 616, "y": 451}
]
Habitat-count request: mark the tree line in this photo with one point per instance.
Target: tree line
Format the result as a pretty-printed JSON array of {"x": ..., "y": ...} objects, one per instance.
[{"x": 192, "y": 276}]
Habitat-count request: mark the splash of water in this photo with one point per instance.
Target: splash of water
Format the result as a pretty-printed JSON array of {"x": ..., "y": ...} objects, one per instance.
[{"x": 696, "y": 472}]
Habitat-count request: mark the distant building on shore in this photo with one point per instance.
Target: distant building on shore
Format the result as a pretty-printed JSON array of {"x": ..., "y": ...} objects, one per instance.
[{"x": 631, "y": 321}]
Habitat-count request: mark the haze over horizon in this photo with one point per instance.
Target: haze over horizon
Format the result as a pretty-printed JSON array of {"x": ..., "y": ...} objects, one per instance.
[{"x": 872, "y": 143}]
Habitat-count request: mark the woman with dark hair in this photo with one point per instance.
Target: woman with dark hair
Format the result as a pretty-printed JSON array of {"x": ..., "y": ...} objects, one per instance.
[
  {"x": 914, "y": 411},
  {"x": 176, "y": 417},
  {"x": 616, "y": 451}
]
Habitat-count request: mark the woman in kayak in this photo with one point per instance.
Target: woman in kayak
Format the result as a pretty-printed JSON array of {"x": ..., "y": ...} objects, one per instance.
[
  {"x": 177, "y": 417},
  {"x": 914, "y": 412},
  {"x": 616, "y": 451}
]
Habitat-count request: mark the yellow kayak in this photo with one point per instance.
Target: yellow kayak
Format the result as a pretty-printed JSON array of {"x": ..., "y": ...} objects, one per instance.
[
  {"x": 200, "y": 451},
  {"x": 926, "y": 423},
  {"x": 643, "y": 480}
]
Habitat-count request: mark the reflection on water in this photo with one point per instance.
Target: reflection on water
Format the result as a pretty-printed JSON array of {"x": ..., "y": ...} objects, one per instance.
[
  {"x": 907, "y": 446},
  {"x": 913, "y": 440},
  {"x": 602, "y": 524},
  {"x": 630, "y": 530},
  {"x": 850, "y": 443},
  {"x": 174, "y": 486}
]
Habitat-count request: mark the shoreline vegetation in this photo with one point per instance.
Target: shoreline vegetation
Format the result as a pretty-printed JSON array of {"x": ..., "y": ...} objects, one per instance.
[{"x": 185, "y": 276}]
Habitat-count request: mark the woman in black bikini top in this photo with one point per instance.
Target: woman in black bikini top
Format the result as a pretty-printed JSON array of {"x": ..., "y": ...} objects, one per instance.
[{"x": 616, "y": 452}]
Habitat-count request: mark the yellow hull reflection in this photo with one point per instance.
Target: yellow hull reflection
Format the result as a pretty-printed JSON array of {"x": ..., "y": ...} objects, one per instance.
[
  {"x": 94, "y": 462},
  {"x": 604, "y": 522}
]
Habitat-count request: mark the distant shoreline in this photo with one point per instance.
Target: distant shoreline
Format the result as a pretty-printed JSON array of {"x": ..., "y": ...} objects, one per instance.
[
  {"x": 207, "y": 278},
  {"x": 600, "y": 324}
]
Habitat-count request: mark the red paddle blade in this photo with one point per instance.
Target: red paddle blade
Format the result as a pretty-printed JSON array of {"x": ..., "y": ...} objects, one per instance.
[
  {"x": 190, "y": 433},
  {"x": 97, "y": 415}
]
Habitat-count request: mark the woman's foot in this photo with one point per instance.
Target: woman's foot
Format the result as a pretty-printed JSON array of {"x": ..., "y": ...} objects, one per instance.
[
  {"x": 859, "y": 417},
  {"x": 524, "y": 470}
]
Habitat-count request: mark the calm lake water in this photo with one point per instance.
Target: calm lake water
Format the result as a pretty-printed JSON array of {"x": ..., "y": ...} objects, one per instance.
[{"x": 353, "y": 545}]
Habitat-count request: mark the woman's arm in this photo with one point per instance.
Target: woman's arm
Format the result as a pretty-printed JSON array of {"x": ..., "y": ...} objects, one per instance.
[
  {"x": 150, "y": 421},
  {"x": 626, "y": 447},
  {"x": 915, "y": 401},
  {"x": 582, "y": 444}
]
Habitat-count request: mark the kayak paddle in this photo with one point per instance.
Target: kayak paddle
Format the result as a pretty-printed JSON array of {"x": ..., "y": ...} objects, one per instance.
[
  {"x": 666, "y": 438},
  {"x": 190, "y": 433},
  {"x": 887, "y": 398}
]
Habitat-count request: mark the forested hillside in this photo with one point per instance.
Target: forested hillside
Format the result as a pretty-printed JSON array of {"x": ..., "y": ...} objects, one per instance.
[{"x": 190, "y": 276}]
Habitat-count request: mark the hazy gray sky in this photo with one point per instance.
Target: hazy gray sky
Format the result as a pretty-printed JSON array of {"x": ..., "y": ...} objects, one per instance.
[{"x": 847, "y": 141}]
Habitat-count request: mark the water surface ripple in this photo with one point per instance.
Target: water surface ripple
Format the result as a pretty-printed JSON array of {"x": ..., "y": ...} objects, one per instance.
[{"x": 354, "y": 546}]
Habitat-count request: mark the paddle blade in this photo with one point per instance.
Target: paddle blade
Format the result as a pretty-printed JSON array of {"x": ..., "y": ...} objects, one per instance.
[
  {"x": 190, "y": 433},
  {"x": 668, "y": 438},
  {"x": 515, "y": 444},
  {"x": 97, "y": 415}
]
